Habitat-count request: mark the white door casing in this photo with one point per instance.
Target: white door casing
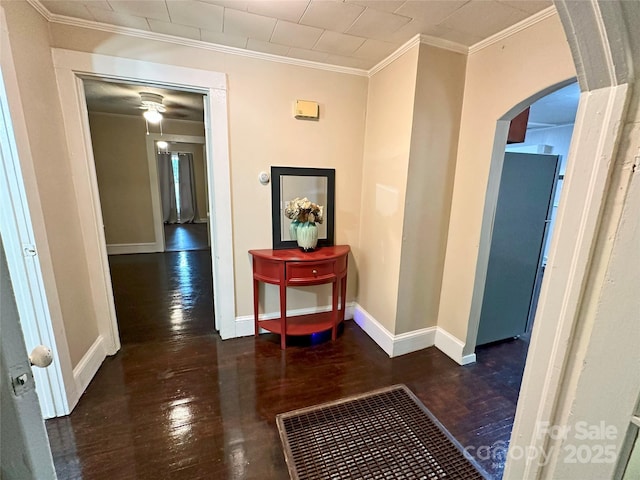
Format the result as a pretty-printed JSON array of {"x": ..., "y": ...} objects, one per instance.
[{"x": 70, "y": 68}]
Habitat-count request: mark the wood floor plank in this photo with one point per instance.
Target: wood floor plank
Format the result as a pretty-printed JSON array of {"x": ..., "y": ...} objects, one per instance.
[{"x": 178, "y": 402}]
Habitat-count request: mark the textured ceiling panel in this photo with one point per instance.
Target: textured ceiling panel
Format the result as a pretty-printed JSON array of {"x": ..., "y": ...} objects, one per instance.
[
  {"x": 334, "y": 16},
  {"x": 197, "y": 14},
  {"x": 249, "y": 25},
  {"x": 294, "y": 35},
  {"x": 141, "y": 8},
  {"x": 312, "y": 29}
]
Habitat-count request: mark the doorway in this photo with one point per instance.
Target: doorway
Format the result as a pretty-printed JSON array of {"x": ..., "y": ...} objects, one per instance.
[
  {"x": 70, "y": 70},
  {"x": 151, "y": 179},
  {"x": 184, "y": 196},
  {"x": 530, "y": 183}
]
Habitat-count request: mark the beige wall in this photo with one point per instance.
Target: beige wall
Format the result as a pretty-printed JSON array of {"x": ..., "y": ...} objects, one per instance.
[
  {"x": 120, "y": 153},
  {"x": 29, "y": 38},
  {"x": 434, "y": 142},
  {"x": 498, "y": 78},
  {"x": 263, "y": 132},
  {"x": 379, "y": 174},
  {"x": 384, "y": 182},
  {"x": 413, "y": 119}
]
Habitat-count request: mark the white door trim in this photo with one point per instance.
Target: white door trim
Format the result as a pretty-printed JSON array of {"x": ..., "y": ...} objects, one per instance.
[
  {"x": 70, "y": 66},
  {"x": 83, "y": 170},
  {"x": 597, "y": 129}
]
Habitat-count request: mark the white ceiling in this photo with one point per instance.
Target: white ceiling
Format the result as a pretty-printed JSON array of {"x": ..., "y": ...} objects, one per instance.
[
  {"x": 557, "y": 108},
  {"x": 349, "y": 33}
]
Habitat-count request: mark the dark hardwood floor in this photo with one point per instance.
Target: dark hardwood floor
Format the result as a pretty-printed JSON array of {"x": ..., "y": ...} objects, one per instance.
[
  {"x": 186, "y": 236},
  {"x": 162, "y": 296},
  {"x": 178, "y": 402}
]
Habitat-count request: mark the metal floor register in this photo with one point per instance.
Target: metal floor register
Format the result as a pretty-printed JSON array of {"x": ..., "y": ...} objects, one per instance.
[{"x": 384, "y": 434}]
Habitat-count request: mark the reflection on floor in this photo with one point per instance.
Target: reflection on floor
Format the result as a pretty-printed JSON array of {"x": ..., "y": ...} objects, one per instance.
[
  {"x": 177, "y": 402},
  {"x": 162, "y": 296},
  {"x": 186, "y": 236}
]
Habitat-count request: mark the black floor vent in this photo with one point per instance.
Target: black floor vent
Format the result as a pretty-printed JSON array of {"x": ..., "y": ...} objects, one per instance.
[{"x": 384, "y": 434}]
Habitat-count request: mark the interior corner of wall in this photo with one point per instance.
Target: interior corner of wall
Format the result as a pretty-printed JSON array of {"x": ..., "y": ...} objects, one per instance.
[{"x": 453, "y": 347}]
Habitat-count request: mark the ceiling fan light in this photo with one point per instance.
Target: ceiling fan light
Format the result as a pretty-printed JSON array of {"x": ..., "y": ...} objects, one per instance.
[
  {"x": 153, "y": 116},
  {"x": 162, "y": 144}
]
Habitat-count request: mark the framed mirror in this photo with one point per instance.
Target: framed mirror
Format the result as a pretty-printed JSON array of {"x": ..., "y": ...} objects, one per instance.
[{"x": 318, "y": 185}]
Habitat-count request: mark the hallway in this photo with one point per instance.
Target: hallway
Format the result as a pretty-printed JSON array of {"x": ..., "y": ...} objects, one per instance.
[{"x": 177, "y": 402}]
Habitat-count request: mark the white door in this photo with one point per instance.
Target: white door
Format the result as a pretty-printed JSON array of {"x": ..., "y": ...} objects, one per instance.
[
  {"x": 24, "y": 451},
  {"x": 23, "y": 263}
]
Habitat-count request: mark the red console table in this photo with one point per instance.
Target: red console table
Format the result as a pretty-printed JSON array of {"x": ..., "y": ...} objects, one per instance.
[{"x": 295, "y": 268}]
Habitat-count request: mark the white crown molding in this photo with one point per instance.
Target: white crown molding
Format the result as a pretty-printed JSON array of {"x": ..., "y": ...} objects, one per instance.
[
  {"x": 444, "y": 44},
  {"x": 398, "y": 53},
  {"x": 415, "y": 40},
  {"x": 41, "y": 9},
  {"x": 419, "y": 38},
  {"x": 513, "y": 29},
  {"x": 78, "y": 22}
]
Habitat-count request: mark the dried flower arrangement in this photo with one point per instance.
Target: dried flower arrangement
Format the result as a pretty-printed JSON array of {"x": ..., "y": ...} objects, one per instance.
[{"x": 304, "y": 210}]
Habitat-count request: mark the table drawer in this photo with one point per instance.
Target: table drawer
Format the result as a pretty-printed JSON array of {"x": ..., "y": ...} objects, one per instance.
[{"x": 310, "y": 272}]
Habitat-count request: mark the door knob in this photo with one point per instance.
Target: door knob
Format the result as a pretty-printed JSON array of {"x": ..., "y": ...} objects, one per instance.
[{"x": 41, "y": 356}]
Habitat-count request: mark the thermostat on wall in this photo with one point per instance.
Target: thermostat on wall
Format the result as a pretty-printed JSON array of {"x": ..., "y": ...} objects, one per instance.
[{"x": 307, "y": 110}]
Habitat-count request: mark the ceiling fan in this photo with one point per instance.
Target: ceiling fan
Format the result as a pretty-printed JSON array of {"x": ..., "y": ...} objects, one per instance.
[{"x": 153, "y": 108}]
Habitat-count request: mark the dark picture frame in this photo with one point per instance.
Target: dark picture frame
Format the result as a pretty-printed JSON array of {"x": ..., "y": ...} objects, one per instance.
[{"x": 287, "y": 177}]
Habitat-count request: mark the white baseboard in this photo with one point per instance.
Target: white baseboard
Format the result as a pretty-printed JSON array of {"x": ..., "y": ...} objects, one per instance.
[
  {"x": 374, "y": 329},
  {"x": 88, "y": 366},
  {"x": 413, "y": 341},
  {"x": 395, "y": 345},
  {"x": 453, "y": 347},
  {"x": 125, "y": 248},
  {"x": 244, "y": 324}
]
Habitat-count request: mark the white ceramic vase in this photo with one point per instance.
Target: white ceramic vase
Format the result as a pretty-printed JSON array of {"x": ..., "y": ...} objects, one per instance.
[{"x": 307, "y": 236}]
